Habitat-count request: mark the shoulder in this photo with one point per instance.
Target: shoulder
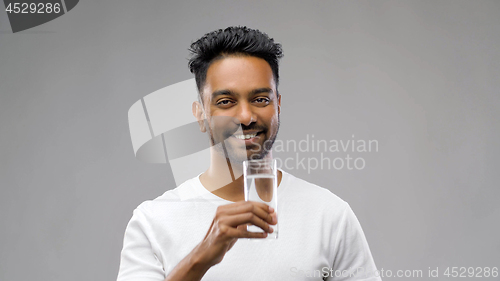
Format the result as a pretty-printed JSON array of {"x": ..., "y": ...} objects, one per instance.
[
  {"x": 169, "y": 198},
  {"x": 311, "y": 194},
  {"x": 301, "y": 188}
]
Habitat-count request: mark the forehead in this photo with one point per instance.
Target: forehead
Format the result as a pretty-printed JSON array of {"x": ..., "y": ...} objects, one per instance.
[{"x": 240, "y": 74}]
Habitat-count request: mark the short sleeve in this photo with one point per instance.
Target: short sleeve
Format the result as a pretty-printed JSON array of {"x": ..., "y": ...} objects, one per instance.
[
  {"x": 353, "y": 259},
  {"x": 138, "y": 261}
]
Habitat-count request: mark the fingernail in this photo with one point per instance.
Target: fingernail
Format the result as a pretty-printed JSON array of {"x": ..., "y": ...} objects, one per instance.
[
  {"x": 271, "y": 209},
  {"x": 275, "y": 219}
]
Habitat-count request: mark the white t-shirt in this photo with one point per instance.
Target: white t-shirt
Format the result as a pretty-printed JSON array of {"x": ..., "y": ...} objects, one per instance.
[{"x": 318, "y": 234}]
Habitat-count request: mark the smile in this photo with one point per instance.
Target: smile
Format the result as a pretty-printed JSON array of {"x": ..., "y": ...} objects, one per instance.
[{"x": 245, "y": 137}]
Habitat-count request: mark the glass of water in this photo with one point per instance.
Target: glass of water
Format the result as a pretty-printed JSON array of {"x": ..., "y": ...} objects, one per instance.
[{"x": 261, "y": 185}]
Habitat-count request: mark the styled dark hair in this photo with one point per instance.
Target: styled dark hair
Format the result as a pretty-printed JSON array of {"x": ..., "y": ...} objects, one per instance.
[{"x": 232, "y": 41}]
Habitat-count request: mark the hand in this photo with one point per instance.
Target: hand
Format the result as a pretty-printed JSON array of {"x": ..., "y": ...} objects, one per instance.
[{"x": 230, "y": 224}]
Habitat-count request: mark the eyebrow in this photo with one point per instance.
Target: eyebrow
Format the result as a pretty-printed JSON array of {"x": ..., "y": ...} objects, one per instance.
[{"x": 235, "y": 94}]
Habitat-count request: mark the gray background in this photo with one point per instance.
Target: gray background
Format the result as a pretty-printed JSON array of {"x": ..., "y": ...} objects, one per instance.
[{"x": 421, "y": 77}]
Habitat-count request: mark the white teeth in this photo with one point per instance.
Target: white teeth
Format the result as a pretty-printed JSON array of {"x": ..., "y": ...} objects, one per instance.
[{"x": 245, "y": 137}]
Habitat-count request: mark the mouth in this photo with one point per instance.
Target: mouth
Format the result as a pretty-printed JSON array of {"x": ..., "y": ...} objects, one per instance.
[{"x": 248, "y": 137}]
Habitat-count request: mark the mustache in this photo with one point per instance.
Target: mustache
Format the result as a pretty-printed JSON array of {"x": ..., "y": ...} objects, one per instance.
[{"x": 252, "y": 127}]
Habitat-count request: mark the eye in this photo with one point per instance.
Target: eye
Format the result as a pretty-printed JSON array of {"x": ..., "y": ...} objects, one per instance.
[
  {"x": 224, "y": 103},
  {"x": 262, "y": 101}
]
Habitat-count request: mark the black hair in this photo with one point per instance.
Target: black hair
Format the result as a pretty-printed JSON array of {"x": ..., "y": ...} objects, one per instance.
[{"x": 232, "y": 41}]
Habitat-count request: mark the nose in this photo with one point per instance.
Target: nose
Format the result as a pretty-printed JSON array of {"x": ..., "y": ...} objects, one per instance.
[{"x": 245, "y": 114}]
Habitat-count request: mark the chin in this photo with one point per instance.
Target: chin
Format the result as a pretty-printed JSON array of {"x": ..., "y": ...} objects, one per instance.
[
  {"x": 258, "y": 155},
  {"x": 242, "y": 156}
]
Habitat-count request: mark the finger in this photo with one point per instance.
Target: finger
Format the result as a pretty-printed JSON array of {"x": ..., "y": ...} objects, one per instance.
[
  {"x": 244, "y": 206},
  {"x": 249, "y": 234},
  {"x": 236, "y": 220},
  {"x": 243, "y": 233},
  {"x": 243, "y": 226},
  {"x": 262, "y": 210},
  {"x": 269, "y": 217}
]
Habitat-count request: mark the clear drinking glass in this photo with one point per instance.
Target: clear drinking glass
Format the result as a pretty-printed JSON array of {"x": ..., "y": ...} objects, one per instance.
[{"x": 261, "y": 185}]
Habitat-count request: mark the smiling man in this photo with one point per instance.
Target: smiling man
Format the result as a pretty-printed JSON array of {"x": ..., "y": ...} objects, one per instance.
[
  {"x": 194, "y": 231},
  {"x": 242, "y": 87}
]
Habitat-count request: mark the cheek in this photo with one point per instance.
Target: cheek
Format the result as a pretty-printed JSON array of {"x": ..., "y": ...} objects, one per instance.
[
  {"x": 222, "y": 124},
  {"x": 272, "y": 121}
]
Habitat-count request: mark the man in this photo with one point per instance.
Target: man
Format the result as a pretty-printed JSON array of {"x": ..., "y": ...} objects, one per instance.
[{"x": 194, "y": 231}]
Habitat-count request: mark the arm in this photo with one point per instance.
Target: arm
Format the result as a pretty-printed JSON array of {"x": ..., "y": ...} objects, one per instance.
[
  {"x": 352, "y": 253},
  {"x": 190, "y": 268},
  {"x": 137, "y": 259},
  {"x": 228, "y": 225}
]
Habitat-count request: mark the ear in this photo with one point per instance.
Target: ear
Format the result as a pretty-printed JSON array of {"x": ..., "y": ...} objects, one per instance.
[
  {"x": 198, "y": 114},
  {"x": 279, "y": 104}
]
